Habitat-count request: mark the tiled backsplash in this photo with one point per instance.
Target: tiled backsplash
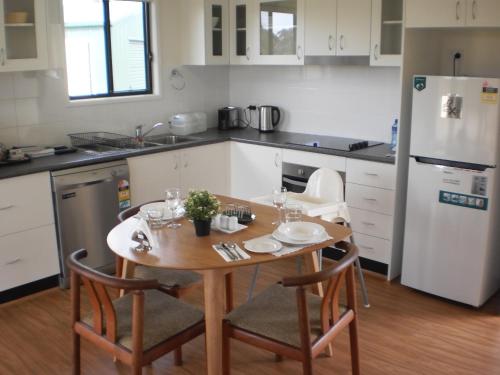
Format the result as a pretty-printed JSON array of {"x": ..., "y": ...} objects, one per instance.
[{"x": 344, "y": 101}]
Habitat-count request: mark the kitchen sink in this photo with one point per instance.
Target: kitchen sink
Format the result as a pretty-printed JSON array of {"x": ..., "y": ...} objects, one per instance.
[{"x": 169, "y": 139}]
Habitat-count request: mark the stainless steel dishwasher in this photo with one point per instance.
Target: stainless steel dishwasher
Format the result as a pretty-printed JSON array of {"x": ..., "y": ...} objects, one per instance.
[{"x": 87, "y": 202}]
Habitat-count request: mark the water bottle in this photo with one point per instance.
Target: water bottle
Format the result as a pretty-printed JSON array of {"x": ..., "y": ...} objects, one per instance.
[{"x": 394, "y": 138}]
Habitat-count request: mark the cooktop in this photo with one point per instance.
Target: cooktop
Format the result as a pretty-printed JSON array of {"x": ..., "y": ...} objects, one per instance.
[{"x": 340, "y": 144}]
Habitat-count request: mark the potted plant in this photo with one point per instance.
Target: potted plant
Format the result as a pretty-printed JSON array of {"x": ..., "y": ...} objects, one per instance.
[{"x": 201, "y": 207}]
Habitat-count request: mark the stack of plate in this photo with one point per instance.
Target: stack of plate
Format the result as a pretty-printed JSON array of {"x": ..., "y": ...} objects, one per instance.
[{"x": 300, "y": 233}]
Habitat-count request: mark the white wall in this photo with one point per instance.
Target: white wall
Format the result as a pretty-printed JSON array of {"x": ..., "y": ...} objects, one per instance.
[{"x": 345, "y": 101}]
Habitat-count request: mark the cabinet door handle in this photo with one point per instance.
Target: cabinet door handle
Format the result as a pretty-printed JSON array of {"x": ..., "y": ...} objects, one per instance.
[
  {"x": 276, "y": 160},
  {"x": 366, "y": 247},
  {"x": 367, "y": 223},
  {"x": 248, "y": 54},
  {"x": 370, "y": 199},
  {"x": 341, "y": 42},
  {"x": 5, "y": 208},
  {"x": 457, "y": 10},
  {"x": 299, "y": 53},
  {"x": 371, "y": 174},
  {"x": 474, "y": 9},
  {"x": 2, "y": 56},
  {"x": 330, "y": 43},
  {"x": 376, "y": 52},
  {"x": 13, "y": 261}
]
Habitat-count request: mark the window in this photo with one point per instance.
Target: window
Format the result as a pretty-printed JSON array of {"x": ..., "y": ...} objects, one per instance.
[{"x": 107, "y": 48}]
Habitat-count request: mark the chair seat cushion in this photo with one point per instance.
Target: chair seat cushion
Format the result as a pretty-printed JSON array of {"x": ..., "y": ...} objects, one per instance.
[
  {"x": 169, "y": 278},
  {"x": 164, "y": 317},
  {"x": 273, "y": 314}
]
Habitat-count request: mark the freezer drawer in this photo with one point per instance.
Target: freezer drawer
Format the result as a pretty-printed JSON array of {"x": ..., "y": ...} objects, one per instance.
[
  {"x": 456, "y": 118},
  {"x": 447, "y": 232}
]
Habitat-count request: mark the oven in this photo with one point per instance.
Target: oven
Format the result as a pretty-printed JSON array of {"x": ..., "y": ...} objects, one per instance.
[{"x": 295, "y": 176}]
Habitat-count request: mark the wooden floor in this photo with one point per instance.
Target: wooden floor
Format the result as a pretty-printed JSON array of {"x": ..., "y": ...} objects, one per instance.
[{"x": 404, "y": 332}]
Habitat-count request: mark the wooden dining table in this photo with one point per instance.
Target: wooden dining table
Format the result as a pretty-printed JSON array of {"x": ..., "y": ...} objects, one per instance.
[{"x": 181, "y": 249}]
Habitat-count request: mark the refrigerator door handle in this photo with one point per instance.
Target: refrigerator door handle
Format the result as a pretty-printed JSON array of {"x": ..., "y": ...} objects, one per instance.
[{"x": 452, "y": 164}]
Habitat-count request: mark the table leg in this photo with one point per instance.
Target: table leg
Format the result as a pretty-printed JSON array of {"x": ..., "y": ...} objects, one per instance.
[
  {"x": 214, "y": 288},
  {"x": 229, "y": 292},
  {"x": 311, "y": 263},
  {"x": 127, "y": 272}
]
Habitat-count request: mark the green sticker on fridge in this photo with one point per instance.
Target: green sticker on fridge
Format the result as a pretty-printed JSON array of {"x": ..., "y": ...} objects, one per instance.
[
  {"x": 420, "y": 83},
  {"x": 463, "y": 200}
]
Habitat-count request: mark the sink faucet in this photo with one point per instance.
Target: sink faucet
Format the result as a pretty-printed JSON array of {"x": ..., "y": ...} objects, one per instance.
[{"x": 139, "y": 135}]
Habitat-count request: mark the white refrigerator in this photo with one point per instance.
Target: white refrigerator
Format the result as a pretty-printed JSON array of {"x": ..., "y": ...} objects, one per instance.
[{"x": 452, "y": 236}]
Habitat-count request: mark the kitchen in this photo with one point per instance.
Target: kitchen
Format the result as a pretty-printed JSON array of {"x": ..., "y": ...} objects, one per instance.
[{"x": 325, "y": 91}]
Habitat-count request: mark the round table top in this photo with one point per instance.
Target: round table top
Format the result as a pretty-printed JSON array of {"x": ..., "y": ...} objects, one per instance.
[{"x": 181, "y": 249}]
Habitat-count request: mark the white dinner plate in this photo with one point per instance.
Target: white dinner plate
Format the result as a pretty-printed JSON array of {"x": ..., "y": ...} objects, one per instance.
[
  {"x": 301, "y": 230},
  {"x": 287, "y": 240},
  {"x": 263, "y": 245},
  {"x": 167, "y": 213}
]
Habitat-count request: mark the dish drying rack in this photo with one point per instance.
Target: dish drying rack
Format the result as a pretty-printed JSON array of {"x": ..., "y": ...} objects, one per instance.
[{"x": 102, "y": 139}]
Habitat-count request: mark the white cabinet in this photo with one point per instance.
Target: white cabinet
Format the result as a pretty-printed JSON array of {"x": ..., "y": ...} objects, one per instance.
[
  {"x": 387, "y": 31},
  {"x": 28, "y": 250},
  {"x": 255, "y": 170},
  {"x": 151, "y": 174},
  {"x": 370, "y": 195},
  {"x": 279, "y": 33},
  {"x": 337, "y": 27},
  {"x": 483, "y": 13},
  {"x": 242, "y": 26},
  {"x": 353, "y": 27},
  {"x": 23, "y": 35},
  {"x": 320, "y": 27},
  {"x": 452, "y": 13},
  {"x": 313, "y": 159},
  {"x": 203, "y": 167},
  {"x": 204, "y": 32}
]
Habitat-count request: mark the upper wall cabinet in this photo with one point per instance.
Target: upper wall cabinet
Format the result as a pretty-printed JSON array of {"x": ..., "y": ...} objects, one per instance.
[
  {"x": 204, "y": 35},
  {"x": 387, "y": 31},
  {"x": 242, "y": 26},
  {"x": 23, "y": 35},
  {"x": 338, "y": 27},
  {"x": 279, "y": 33},
  {"x": 452, "y": 13}
]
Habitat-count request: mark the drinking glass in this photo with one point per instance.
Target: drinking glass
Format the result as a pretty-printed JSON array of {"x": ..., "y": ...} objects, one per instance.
[
  {"x": 155, "y": 218},
  {"x": 293, "y": 212},
  {"x": 279, "y": 200},
  {"x": 173, "y": 201}
]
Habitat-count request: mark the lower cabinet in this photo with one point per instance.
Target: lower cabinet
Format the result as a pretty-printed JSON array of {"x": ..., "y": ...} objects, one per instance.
[
  {"x": 255, "y": 170},
  {"x": 28, "y": 256},
  {"x": 203, "y": 167}
]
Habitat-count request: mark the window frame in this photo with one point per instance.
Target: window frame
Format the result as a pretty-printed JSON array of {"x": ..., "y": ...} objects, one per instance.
[{"x": 148, "y": 58}]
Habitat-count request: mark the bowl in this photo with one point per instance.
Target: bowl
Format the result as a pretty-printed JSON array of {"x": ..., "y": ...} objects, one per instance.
[{"x": 16, "y": 17}]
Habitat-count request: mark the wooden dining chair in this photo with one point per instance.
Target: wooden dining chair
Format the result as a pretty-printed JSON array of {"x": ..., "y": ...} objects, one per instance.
[
  {"x": 293, "y": 323},
  {"x": 135, "y": 329},
  {"x": 173, "y": 282}
]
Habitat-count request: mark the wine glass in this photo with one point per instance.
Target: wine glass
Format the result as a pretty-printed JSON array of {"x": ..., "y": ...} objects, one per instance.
[
  {"x": 173, "y": 201},
  {"x": 279, "y": 200}
]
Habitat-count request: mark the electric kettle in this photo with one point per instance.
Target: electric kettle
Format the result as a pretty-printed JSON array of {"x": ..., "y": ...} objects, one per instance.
[{"x": 269, "y": 118}]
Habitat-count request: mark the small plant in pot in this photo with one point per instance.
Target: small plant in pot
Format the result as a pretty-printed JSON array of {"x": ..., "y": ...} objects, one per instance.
[{"x": 201, "y": 207}]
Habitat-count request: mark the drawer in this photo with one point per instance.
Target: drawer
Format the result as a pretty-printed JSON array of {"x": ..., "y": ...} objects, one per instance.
[
  {"x": 373, "y": 248},
  {"x": 312, "y": 159},
  {"x": 25, "y": 203},
  {"x": 28, "y": 256},
  {"x": 371, "y": 223},
  {"x": 372, "y": 174},
  {"x": 370, "y": 198}
]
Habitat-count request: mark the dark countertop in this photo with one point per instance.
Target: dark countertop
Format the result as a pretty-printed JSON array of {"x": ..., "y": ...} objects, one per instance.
[{"x": 276, "y": 139}]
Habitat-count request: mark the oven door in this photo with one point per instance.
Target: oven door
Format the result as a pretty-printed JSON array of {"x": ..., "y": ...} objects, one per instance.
[{"x": 294, "y": 184}]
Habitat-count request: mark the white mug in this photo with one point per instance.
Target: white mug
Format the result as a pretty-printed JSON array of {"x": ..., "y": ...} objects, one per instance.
[{"x": 233, "y": 223}]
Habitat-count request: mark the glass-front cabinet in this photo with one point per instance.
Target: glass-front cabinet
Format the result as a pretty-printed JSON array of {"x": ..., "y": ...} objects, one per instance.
[
  {"x": 216, "y": 28},
  {"x": 23, "y": 38},
  {"x": 242, "y": 28},
  {"x": 280, "y": 32},
  {"x": 387, "y": 31}
]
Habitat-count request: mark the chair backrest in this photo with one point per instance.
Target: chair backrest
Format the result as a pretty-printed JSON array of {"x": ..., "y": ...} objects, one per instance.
[
  {"x": 335, "y": 276},
  {"x": 325, "y": 184},
  {"x": 95, "y": 283},
  {"x": 132, "y": 211}
]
